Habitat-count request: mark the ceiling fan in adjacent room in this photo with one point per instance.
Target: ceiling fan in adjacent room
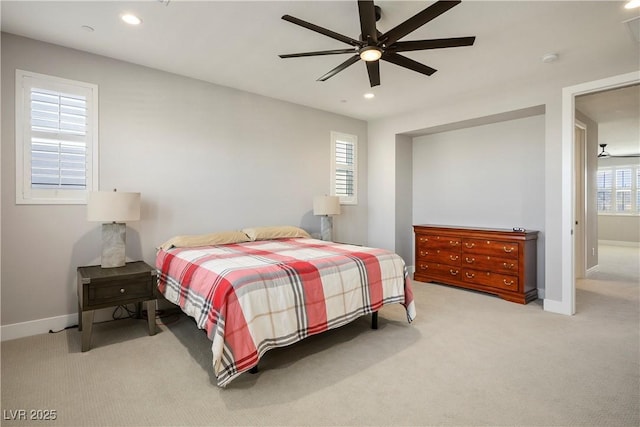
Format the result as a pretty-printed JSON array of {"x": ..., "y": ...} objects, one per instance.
[
  {"x": 372, "y": 45},
  {"x": 605, "y": 155}
]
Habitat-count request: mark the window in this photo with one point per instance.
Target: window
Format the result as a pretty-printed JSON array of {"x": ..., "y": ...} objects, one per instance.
[
  {"x": 56, "y": 139},
  {"x": 605, "y": 179},
  {"x": 344, "y": 172},
  {"x": 618, "y": 190}
]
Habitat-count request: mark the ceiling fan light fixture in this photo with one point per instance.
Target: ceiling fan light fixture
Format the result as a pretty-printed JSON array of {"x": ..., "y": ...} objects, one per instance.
[{"x": 370, "y": 53}]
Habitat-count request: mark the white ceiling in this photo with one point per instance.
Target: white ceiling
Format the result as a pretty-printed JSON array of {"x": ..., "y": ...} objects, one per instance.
[
  {"x": 237, "y": 43},
  {"x": 617, "y": 112}
]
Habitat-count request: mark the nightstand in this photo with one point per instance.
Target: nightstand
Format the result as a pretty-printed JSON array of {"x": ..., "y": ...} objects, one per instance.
[{"x": 107, "y": 287}]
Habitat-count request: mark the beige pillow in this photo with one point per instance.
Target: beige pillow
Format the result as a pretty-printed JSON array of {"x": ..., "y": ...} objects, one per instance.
[
  {"x": 220, "y": 238},
  {"x": 275, "y": 232}
]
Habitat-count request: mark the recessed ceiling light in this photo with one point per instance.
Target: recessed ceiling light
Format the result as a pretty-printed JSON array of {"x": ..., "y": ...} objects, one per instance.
[
  {"x": 369, "y": 95},
  {"x": 131, "y": 19},
  {"x": 550, "y": 57},
  {"x": 632, "y": 4},
  {"x": 87, "y": 28}
]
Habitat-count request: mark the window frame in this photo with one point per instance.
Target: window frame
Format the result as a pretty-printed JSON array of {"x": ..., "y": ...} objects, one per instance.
[
  {"x": 615, "y": 189},
  {"x": 352, "y": 139},
  {"x": 25, "y": 194}
]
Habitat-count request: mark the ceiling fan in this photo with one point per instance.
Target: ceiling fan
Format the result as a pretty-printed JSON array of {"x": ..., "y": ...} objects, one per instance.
[
  {"x": 372, "y": 45},
  {"x": 604, "y": 154}
]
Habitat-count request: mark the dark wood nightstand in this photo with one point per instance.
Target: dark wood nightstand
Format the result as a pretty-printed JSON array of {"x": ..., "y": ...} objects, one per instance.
[{"x": 107, "y": 287}]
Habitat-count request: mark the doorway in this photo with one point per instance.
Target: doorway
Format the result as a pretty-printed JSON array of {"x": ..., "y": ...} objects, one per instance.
[{"x": 567, "y": 304}]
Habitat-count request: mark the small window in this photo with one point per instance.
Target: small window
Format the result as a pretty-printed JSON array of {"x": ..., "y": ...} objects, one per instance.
[
  {"x": 344, "y": 171},
  {"x": 605, "y": 180},
  {"x": 56, "y": 139},
  {"x": 618, "y": 190}
]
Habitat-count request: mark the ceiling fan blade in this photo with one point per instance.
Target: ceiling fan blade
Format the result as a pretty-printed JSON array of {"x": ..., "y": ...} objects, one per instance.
[
  {"x": 321, "y": 30},
  {"x": 431, "y": 44},
  {"x": 417, "y": 21},
  {"x": 373, "y": 68},
  {"x": 345, "y": 64},
  {"x": 317, "y": 53},
  {"x": 368, "y": 21},
  {"x": 405, "y": 62}
]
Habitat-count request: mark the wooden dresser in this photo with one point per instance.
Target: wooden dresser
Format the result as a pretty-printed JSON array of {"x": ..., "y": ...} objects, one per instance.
[{"x": 497, "y": 261}]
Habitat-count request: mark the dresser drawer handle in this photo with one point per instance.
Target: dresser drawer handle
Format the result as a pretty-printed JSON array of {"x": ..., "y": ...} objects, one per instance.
[
  {"x": 469, "y": 260},
  {"x": 423, "y": 253},
  {"x": 423, "y": 266},
  {"x": 509, "y": 283},
  {"x": 509, "y": 266},
  {"x": 469, "y": 245},
  {"x": 507, "y": 250},
  {"x": 453, "y": 272},
  {"x": 122, "y": 290},
  {"x": 453, "y": 257},
  {"x": 453, "y": 243},
  {"x": 424, "y": 239},
  {"x": 470, "y": 275}
]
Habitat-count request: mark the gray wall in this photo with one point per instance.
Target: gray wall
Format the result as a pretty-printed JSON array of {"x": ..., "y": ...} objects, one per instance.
[
  {"x": 205, "y": 158},
  {"x": 404, "y": 196},
  {"x": 483, "y": 176}
]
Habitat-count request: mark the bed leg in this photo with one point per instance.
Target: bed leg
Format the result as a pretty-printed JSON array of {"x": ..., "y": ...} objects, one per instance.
[
  {"x": 254, "y": 370},
  {"x": 374, "y": 320}
]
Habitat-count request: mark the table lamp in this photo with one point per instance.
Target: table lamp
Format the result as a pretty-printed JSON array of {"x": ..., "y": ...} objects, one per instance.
[
  {"x": 326, "y": 206},
  {"x": 113, "y": 208}
]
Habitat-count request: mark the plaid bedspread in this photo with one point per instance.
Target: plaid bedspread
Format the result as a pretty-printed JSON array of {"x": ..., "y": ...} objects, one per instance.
[{"x": 251, "y": 297}]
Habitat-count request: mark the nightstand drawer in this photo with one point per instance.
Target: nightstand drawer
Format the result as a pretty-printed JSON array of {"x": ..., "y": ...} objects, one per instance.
[
  {"x": 120, "y": 290},
  {"x": 98, "y": 287}
]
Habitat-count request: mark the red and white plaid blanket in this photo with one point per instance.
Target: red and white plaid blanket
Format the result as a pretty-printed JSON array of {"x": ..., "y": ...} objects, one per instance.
[{"x": 251, "y": 297}]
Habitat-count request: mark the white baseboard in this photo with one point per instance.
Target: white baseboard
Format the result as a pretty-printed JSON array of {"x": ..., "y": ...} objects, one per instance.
[
  {"x": 43, "y": 326},
  {"x": 559, "y": 307},
  {"x": 619, "y": 243}
]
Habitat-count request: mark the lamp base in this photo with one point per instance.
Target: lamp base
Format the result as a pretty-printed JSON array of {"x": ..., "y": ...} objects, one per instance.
[
  {"x": 326, "y": 228},
  {"x": 113, "y": 245}
]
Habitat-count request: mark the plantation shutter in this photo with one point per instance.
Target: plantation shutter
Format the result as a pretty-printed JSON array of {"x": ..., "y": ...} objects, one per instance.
[
  {"x": 604, "y": 186},
  {"x": 58, "y": 140},
  {"x": 623, "y": 190},
  {"x": 344, "y": 169},
  {"x": 638, "y": 190},
  {"x": 344, "y": 164}
]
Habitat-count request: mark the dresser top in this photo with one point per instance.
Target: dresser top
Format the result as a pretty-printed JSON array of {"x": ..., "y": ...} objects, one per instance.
[{"x": 459, "y": 228}]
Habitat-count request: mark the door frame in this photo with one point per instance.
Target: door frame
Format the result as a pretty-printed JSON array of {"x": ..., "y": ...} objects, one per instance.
[{"x": 568, "y": 303}]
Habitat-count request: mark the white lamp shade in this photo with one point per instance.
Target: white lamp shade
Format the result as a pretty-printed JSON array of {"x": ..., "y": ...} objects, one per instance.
[
  {"x": 113, "y": 206},
  {"x": 326, "y": 205}
]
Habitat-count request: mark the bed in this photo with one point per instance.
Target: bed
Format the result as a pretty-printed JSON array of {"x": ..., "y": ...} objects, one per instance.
[{"x": 255, "y": 295}]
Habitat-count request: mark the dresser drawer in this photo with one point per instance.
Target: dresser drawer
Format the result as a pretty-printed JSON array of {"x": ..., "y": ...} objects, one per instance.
[
  {"x": 427, "y": 241},
  {"x": 117, "y": 291},
  {"x": 483, "y": 262},
  {"x": 437, "y": 270},
  {"x": 438, "y": 256},
  {"x": 487, "y": 278},
  {"x": 494, "y": 248}
]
